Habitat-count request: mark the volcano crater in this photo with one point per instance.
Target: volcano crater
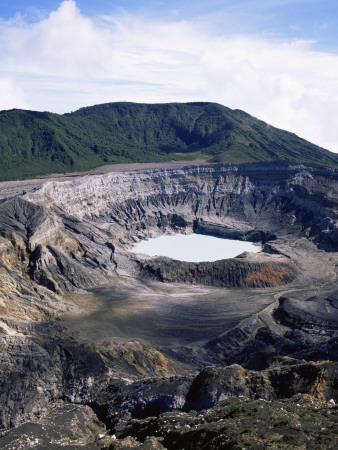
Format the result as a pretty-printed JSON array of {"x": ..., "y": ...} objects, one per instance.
[{"x": 90, "y": 318}]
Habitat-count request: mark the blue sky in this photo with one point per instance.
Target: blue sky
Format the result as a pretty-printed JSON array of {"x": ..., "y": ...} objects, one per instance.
[
  {"x": 277, "y": 60},
  {"x": 297, "y": 19}
]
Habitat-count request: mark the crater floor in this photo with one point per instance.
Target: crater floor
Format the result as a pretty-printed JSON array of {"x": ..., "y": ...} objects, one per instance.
[{"x": 158, "y": 314}]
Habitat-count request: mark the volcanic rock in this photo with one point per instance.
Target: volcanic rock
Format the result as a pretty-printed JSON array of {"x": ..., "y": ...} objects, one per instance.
[{"x": 61, "y": 239}]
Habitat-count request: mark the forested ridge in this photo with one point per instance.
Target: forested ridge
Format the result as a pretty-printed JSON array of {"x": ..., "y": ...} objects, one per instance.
[{"x": 37, "y": 143}]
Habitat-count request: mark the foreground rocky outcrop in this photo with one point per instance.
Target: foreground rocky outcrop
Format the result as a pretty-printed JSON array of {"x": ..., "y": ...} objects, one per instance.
[
  {"x": 236, "y": 423},
  {"x": 59, "y": 239},
  {"x": 299, "y": 422}
]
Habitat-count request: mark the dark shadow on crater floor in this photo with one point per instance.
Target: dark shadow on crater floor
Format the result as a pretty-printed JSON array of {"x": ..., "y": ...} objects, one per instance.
[{"x": 162, "y": 314}]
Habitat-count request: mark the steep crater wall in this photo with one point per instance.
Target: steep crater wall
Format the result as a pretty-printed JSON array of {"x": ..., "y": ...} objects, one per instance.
[{"x": 86, "y": 226}]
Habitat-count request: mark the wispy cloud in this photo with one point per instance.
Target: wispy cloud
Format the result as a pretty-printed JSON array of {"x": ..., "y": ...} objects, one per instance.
[{"x": 67, "y": 60}]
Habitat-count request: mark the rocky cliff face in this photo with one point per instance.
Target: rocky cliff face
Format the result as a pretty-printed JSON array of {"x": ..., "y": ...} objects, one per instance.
[
  {"x": 266, "y": 197},
  {"x": 68, "y": 236}
]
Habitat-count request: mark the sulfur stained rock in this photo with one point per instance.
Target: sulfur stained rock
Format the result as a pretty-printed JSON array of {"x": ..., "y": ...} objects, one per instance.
[{"x": 263, "y": 271}]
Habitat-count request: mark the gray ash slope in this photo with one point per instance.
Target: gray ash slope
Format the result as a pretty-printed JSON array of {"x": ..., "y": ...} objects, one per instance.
[{"x": 68, "y": 236}]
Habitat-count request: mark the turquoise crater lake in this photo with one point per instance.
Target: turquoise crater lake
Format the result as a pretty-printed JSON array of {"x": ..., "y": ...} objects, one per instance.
[{"x": 194, "y": 247}]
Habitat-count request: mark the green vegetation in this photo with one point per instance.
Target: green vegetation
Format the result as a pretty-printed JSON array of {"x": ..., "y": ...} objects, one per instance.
[
  {"x": 300, "y": 422},
  {"x": 39, "y": 143}
]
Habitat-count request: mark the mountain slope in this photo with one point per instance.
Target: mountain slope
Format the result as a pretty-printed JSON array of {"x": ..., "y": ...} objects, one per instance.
[{"x": 35, "y": 143}]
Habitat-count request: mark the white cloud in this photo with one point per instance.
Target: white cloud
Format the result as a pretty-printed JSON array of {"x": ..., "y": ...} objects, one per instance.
[
  {"x": 67, "y": 60},
  {"x": 11, "y": 95}
]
